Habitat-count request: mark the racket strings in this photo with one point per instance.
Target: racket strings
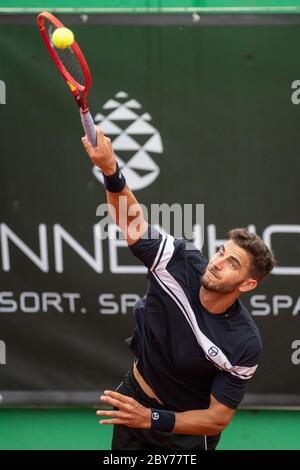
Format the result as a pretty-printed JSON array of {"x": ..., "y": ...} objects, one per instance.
[{"x": 67, "y": 57}]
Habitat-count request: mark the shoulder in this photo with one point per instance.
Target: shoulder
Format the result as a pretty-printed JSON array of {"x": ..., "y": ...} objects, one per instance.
[
  {"x": 252, "y": 350},
  {"x": 239, "y": 337},
  {"x": 254, "y": 332},
  {"x": 192, "y": 255},
  {"x": 250, "y": 342}
]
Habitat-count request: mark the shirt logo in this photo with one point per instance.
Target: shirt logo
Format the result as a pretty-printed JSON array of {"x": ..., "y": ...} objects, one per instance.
[
  {"x": 213, "y": 351},
  {"x": 155, "y": 416}
]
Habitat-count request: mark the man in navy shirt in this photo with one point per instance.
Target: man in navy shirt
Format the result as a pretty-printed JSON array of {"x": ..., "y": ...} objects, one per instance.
[{"x": 196, "y": 346}]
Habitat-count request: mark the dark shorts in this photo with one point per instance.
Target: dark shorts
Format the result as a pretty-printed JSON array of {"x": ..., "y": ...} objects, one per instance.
[{"x": 125, "y": 438}]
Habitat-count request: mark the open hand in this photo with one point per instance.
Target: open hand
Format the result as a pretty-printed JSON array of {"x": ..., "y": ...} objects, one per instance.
[{"x": 130, "y": 412}]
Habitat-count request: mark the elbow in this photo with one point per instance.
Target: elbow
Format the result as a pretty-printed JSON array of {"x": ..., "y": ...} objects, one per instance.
[
  {"x": 214, "y": 430},
  {"x": 211, "y": 429},
  {"x": 199, "y": 422},
  {"x": 220, "y": 425}
]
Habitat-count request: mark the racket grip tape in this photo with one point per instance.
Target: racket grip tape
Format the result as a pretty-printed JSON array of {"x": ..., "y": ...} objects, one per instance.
[{"x": 89, "y": 127}]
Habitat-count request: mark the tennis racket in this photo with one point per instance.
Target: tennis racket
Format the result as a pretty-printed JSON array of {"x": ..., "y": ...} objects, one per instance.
[{"x": 73, "y": 67}]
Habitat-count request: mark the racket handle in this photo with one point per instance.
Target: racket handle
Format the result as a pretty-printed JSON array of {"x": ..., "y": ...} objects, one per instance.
[{"x": 89, "y": 127}]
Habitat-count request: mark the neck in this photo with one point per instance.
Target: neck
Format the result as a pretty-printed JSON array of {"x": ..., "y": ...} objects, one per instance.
[{"x": 215, "y": 302}]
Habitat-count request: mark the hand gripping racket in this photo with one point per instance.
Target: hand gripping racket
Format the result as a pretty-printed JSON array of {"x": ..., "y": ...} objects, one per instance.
[{"x": 73, "y": 67}]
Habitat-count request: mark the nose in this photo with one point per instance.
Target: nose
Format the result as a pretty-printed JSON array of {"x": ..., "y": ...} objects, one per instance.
[{"x": 217, "y": 264}]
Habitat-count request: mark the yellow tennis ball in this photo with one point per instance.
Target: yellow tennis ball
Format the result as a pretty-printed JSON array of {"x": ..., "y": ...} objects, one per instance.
[{"x": 62, "y": 38}]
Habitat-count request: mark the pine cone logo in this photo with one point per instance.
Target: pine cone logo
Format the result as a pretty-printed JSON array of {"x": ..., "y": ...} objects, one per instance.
[{"x": 136, "y": 143}]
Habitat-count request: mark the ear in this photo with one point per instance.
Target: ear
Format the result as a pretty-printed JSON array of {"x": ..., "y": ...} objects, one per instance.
[{"x": 248, "y": 285}]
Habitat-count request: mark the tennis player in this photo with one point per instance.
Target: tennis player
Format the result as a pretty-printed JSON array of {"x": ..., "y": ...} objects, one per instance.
[{"x": 195, "y": 345}]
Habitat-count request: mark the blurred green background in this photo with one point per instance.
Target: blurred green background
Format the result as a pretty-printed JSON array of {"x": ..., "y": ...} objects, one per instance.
[
  {"x": 70, "y": 429},
  {"x": 279, "y": 5}
]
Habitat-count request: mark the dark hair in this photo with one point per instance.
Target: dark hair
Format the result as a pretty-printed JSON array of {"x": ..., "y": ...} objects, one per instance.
[{"x": 262, "y": 259}]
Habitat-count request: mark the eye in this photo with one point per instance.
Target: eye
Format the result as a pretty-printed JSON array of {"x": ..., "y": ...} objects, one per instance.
[{"x": 233, "y": 264}]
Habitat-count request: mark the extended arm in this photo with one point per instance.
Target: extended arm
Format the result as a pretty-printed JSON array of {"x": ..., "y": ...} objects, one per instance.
[
  {"x": 210, "y": 422},
  {"x": 132, "y": 414},
  {"x": 124, "y": 208}
]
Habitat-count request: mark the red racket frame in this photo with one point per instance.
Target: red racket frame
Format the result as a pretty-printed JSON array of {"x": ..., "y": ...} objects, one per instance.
[{"x": 79, "y": 92}]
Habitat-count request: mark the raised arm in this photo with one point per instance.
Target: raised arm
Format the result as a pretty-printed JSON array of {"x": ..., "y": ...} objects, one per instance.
[{"x": 124, "y": 208}]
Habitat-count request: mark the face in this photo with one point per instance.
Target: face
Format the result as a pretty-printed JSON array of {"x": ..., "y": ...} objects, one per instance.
[{"x": 228, "y": 270}]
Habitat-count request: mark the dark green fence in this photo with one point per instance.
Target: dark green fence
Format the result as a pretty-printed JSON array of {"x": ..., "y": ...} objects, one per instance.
[{"x": 223, "y": 113}]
